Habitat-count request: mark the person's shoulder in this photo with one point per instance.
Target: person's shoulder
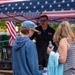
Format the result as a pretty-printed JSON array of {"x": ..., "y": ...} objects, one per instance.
[
  {"x": 63, "y": 41},
  {"x": 30, "y": 41}
]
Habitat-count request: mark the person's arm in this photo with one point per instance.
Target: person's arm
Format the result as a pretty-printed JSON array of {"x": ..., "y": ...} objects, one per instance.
[
  {"x": 63, "y": 48},
  {"x": 33, "y": 36},
  {"x": 49, "y": 49},
  {"x": 32, "y": 59}
]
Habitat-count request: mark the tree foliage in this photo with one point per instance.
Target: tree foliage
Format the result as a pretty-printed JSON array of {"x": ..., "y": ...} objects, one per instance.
[
  {"x": 54, "y": 26},
  {"x": 3, "y": 25}
]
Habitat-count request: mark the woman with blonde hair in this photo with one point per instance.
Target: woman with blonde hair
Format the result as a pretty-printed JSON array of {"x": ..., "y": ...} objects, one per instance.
[{"x": 64, "y": 38}]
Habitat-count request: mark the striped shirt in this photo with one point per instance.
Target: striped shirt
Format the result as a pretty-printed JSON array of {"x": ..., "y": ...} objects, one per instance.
[{"x": 70, "y": 62}]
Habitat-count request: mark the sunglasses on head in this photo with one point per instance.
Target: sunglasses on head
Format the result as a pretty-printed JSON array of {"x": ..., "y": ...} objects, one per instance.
[{"x": 43, "y": 20}]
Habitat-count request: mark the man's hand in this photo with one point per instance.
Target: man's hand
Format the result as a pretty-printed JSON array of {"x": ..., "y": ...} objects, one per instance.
[{"x": 49, "y": 49}]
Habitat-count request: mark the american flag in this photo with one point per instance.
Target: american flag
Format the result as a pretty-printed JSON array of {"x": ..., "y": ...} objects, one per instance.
[
  {"x": 23, "y": 10},
  {"x": 11, "y": 28}
]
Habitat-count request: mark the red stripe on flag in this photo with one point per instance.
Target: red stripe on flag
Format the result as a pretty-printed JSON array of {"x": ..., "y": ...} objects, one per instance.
[
  {"x": 12, "y": 31},
  {"x": 59, "y": 14}
]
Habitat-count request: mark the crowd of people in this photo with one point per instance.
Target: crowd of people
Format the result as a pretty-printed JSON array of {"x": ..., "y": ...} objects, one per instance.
[{"x": 28, "y": 57}]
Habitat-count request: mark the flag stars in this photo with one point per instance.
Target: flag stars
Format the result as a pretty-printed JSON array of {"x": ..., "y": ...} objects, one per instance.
[
  {"x": 59, "y": 5},
  {"x": 45, "y": 10},
  {"x": 38, "y": 3},
  {"x": 2, "y": 5},
  {"x": 34, "y": 7},
  {"x": 63, "y": 1},
  {"x": 72, "y": 0},
  {"x": 53, "y": 9},
  {"x": 46, "y": 2},
  {"x": 23, "y": 3},
  {"x": 54, "y": 2},
  {"x": 50, "y": 6},
  {"x": 21, "y": 11},
  {"x": 16, "y": 4},
  {"x": 9, "y": 5},
  {"x": 37, "y": 11},
  {"x": 29, "y": 11},
  {"x": 5, "y": 8},
  {"x": 26, "y": 7},
  {"x": 68, "y": 5},
  {"x": 12, "y": 8},
  {"x": 30, "y": 3},
  {"x": 19, "y": 8},
  {"x": 53, "y": 5},
  {"x": 42, "y": 6}
]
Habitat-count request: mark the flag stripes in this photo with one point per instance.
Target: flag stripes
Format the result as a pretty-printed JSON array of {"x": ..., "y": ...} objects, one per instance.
[
  {"x": 12, "y": 31},
  {"x": 60, "y": 14}
]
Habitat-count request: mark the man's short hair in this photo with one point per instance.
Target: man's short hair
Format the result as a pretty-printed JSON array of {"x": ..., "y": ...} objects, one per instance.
[{"x": 42, "y": 16}]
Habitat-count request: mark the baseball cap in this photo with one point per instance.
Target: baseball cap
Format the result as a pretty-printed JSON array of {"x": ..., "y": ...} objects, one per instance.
[{"x": 30, "y": 25}]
